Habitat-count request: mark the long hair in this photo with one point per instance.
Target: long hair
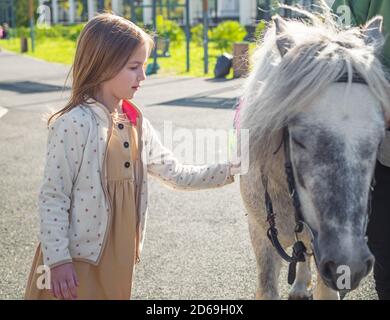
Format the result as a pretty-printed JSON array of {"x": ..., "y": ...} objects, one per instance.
[
  {"x": 103, "y": 49},
  {"x": 277, "y": 89}
]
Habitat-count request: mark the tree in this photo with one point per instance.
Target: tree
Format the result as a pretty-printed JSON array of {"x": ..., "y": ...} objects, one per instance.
[{"x": 21, "y": 12}]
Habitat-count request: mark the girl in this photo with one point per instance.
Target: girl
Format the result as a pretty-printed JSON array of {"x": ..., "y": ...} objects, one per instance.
[{"x": 93, "y": 200}]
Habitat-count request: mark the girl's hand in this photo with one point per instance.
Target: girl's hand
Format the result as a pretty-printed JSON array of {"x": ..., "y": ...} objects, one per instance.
[{"x": 64, "y": 281}]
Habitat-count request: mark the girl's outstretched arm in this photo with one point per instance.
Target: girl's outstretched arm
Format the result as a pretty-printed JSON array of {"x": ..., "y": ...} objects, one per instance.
[{"x": 164, "y": 165}]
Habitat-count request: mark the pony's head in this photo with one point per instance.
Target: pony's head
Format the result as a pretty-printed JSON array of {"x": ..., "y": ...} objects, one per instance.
[{"x": 335, "y": 128}]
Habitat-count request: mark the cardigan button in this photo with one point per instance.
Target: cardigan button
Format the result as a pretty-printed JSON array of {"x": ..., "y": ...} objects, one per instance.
[
  {"x": 127, "y": 164},
  {"x": 126, "y": 144},
  {"x": 120, "y": 126}
]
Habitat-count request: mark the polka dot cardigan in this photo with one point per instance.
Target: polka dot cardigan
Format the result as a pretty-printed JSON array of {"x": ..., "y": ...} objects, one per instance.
[{"x": 73, "y": 202}]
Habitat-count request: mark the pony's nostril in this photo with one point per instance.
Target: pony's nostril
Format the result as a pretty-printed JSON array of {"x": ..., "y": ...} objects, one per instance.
[{"x": 369, "y": 265}]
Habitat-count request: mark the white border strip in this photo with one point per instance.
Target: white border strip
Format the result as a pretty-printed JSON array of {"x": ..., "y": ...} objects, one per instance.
[{"x": 3, "y": 111}]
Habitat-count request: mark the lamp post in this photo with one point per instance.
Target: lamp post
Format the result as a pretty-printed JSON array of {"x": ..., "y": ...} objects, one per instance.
[
  {"x": 154, "y": 14},
  {"x": 132, "y": 11},
  {"x": 188, "y": 34},
  {"x": 205, "y": 35},
  {"x": 150, "y": 14},
  {"x": 13, "y": 18},
  {"x": 31, "y": 17}
]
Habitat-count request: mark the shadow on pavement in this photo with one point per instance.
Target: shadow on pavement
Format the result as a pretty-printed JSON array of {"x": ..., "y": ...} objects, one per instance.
[
  {"x": 203, "y": 102},
  {"x": 26, "y": 87}
]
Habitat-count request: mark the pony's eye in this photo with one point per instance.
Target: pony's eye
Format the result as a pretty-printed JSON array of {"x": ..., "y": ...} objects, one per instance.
[{"x": 298, "y": 143}]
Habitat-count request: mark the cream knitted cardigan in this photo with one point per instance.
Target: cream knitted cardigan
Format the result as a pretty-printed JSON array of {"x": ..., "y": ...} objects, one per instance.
[{"x": 73, "y": 203}]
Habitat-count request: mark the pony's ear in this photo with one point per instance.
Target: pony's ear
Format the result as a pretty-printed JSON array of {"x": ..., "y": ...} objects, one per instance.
[
  {"x": 283, "y": 42},
  {"x": 372, "y": 31}
]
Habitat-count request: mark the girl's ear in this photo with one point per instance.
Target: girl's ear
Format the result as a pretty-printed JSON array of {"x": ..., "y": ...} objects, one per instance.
[{"x": 283, "y": 41}]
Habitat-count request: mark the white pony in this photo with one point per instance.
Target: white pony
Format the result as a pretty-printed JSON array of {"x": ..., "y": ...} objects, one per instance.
[{"x": 335, "y": 130}]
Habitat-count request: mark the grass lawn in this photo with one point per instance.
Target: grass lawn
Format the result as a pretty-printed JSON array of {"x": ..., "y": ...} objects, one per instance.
[
  {"x": 62, "y": 51},
  {"x": 51, "y": 49},
  {"x": 176, "y": 63}
]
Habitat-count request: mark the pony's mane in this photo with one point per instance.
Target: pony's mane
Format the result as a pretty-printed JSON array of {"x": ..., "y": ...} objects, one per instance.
[{"x": 278, "y": 88}]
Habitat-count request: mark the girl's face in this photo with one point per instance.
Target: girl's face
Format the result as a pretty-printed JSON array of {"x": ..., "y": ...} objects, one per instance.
[{"x": 126, "y": 83}]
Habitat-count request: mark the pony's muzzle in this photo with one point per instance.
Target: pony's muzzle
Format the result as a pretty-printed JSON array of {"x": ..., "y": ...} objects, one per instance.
[{"x": 341, "y": 274}]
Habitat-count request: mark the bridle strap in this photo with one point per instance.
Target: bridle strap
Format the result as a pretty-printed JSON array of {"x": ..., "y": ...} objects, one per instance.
[
  {"x": 288, "y": 167},
  {"x": 299, "y": 249}
]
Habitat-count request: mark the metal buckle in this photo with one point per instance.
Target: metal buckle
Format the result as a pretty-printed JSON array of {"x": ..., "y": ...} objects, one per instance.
[{"x": 304, "y": 224}]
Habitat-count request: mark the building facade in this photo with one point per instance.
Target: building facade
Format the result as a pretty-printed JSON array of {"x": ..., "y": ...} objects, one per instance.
[{"x": 245, "y": 11}]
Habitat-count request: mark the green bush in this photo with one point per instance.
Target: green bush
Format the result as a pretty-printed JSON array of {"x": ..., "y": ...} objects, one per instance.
[
  {"x": 226, "y": 33},
  {"x": 21, "y": 32},
  {"x": 75, "y": 31},
  {"x": 55, "y": 31},
  {"x": 168, "y": 29},
  {"x": 260, "y": 28},
  {"x": 197, "y": 34}
]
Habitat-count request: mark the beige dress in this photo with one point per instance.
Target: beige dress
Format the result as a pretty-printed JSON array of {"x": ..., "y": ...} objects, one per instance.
[{"x": 112, "y": 278}]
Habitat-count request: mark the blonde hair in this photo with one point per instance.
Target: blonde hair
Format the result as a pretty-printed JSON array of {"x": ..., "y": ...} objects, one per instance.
[{"x": 103, "y": 49}]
